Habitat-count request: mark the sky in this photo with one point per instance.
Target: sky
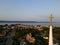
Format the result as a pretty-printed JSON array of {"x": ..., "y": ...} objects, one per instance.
[{"x": 29, "y": 10}]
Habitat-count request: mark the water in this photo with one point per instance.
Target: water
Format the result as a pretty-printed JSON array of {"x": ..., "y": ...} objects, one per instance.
[{"x": 42, "y": 24}]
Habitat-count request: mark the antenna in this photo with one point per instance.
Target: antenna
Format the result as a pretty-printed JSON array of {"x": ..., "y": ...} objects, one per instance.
[
  {"x": 50, "y": 32},
  {"x": 51, "y": 20}
]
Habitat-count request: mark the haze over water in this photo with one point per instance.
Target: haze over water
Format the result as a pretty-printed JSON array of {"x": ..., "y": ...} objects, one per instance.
[{"x": 31, "y": 23}]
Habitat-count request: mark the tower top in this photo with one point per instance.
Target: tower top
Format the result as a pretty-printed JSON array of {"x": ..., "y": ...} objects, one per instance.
[{"x": 51, "y": 20}]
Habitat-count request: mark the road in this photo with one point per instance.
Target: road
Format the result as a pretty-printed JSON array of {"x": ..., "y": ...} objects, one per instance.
[{"x": 9, "y": 37}]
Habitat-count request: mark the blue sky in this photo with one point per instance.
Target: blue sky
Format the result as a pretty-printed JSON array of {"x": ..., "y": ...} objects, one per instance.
[{"x": 29, "y": 10}]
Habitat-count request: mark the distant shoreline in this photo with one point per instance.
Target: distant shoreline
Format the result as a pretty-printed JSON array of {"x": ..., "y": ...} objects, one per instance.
[
  {"x": 26, "y": 22},
  {"x": 45, "y": 23}
]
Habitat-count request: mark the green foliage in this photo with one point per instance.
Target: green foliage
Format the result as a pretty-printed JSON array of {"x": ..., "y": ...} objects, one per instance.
[{"x": 22, "y": 32}]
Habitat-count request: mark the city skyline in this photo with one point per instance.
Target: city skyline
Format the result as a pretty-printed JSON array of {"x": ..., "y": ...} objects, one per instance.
[{"x": 29, "y": 10}]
